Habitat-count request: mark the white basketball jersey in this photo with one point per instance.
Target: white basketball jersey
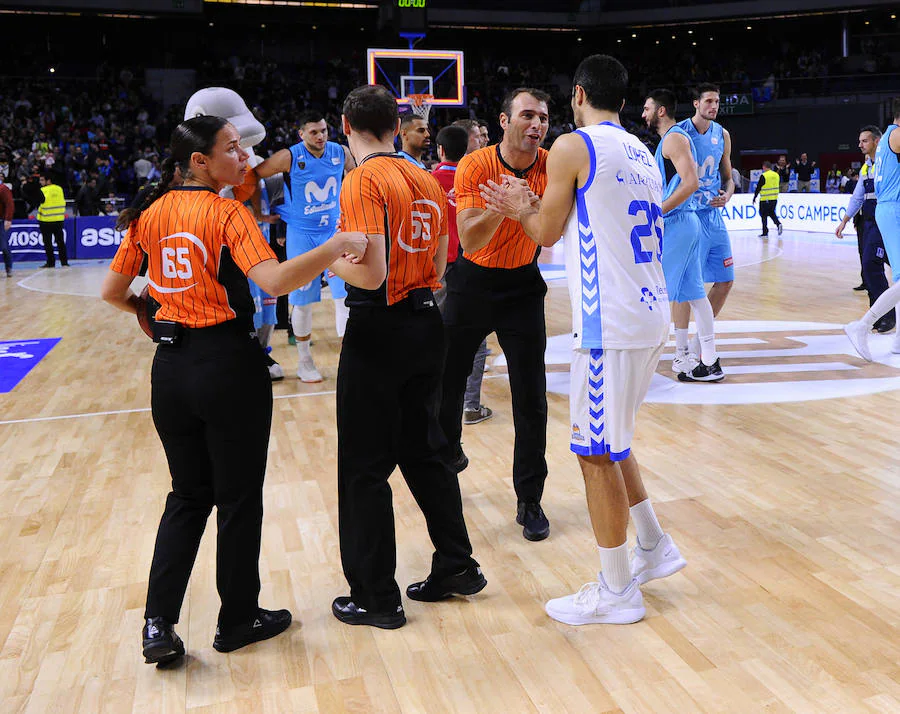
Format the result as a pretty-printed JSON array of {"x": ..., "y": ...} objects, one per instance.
[{"x": 613, "y": 243}]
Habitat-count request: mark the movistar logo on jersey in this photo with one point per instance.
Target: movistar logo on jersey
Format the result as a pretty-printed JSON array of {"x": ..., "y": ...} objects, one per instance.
[{"x": 317, "y": 197}]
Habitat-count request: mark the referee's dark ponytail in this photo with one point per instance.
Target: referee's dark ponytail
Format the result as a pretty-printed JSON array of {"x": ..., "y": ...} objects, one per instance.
[{"x": 195, "y": 134}]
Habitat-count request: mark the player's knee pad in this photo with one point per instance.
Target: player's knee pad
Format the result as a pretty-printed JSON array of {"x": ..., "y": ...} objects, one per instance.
[
  {"x": 301, "y": 320},
  {"x": 341, "y": 313}
]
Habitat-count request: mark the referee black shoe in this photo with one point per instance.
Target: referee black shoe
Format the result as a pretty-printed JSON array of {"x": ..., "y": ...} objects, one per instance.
[
  {"x": 703, "y": 373},
  {"x": 467, "y": 582},
  {"x": 459, "y": 461},
  {"x": 348, "y": 612},
  {"x": 265, "y": 625},
  {"x": 886, "y": 323},
  {"x": 530, "y": 516},
  {"x": 161, "y": 644}
]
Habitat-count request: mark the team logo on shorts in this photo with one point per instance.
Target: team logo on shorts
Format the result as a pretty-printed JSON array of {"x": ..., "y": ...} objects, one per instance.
[
  {"x": 728, "y": 262},
  {"x": 576, "y": 433}
]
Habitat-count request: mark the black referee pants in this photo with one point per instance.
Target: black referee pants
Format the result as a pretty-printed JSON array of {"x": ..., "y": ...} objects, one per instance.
[
  {"x": 212, "y": 407},
  {"x": 510, "y": 303},
  {"x": 388, "y": 387}
]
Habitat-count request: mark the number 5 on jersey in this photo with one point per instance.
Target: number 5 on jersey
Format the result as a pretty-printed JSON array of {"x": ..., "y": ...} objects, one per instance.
[{"x": 176, "y": 263}]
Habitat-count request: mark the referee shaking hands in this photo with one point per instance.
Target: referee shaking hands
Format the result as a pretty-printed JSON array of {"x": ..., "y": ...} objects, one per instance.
[{"x": 211, "y": 392}]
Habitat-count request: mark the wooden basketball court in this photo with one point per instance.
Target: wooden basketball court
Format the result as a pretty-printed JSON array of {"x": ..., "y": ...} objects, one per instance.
[{"x": 781, "y": 489}]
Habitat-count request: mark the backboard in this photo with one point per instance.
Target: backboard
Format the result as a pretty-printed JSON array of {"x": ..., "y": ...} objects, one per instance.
[{"x": 437, "y": 72}]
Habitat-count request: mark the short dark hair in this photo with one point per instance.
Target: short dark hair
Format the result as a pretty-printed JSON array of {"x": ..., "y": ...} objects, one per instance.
[
  {"x": 409, "y": 118},
  {"x": 665, "y": 98},
  {"x": 767, "y": 164},
  {"x": 895, "y": 107},
  {"x": 310, "y": 116},
  {"x": 604, "y": 80},
  {"x": 872, "y": 129},
  {"x": 506, "y": 106},
  {"x": 705, "y": 87},
  {"x": 371, "y": 108},
  {"x": 467, "y": 124},
  {"x": 483, "y": 122},
  {"x": 454, "y": 140}
]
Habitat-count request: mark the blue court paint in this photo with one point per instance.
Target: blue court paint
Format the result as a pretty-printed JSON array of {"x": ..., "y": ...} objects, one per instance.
[{"x": 18, "y": 358}]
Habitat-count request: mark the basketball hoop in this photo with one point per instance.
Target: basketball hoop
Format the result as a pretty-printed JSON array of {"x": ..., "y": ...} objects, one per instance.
[{"x": 420, "y": 105}]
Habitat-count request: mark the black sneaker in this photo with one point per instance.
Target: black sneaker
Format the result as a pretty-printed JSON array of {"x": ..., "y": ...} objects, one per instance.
[
  {"x": 885, "y": 324},
  {"x": 459, "y": 461},
  {"x": 861, "y": 286},
  {"x": 347, "y": 611},
  {"x": 780, "y": 229},
  {"x": 531, "y": 516},
  {"x": 161, "y": 644},
  {"x": 703, "y": 373},
  {"x": 467, "y": 582},
  {"x": 476, "y": 416},
  {"x": 265, "y": 625}
]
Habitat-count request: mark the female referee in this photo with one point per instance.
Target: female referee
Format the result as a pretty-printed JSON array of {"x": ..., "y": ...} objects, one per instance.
[{"x": 211, "y": 393}]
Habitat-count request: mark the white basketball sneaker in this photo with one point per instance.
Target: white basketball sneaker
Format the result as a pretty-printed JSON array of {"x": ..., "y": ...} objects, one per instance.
[
  {"x": 307, "y": 372},
  {"x": 684, "y": 362},
  {"x": 594, "y": 604},
  {"x": 661, "y": 562},
  {"x": 858, "y": 332},
  {"x": 895, "y": 345},
  {"x": 276, "y": 373}
]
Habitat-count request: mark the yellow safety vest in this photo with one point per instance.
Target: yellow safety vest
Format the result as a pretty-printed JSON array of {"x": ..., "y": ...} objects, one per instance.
[
  {"x": 769, "y": 191},
  {"x": 53, "y": 209}
]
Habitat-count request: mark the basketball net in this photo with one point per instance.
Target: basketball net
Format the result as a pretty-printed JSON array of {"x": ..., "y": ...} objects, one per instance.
[{"x": 420, "y": 105}]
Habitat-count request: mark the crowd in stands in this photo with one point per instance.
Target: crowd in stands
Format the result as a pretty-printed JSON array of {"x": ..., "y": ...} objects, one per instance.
[{"x": 103, "y": 137}]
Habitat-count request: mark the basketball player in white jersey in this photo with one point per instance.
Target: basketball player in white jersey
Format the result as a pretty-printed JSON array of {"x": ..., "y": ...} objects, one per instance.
[{"x": 604, "y": 197}]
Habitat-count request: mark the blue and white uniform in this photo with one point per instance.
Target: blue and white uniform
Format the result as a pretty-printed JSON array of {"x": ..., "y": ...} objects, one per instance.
[
  {"x": 620, "y": 310},
  {"x": 681, "y": 248},
  {"x": 887, "y": 193},
  {"x": 311, "y": 210},
  {"x": 716, "y": 261}
]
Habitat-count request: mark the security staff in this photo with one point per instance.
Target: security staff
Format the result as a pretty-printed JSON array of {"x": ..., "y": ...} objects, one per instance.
[
  {"x": 211, "y": 392},
  {"x": 496, "y": 286},
  {"x": 767, "y": 191},
  {"x": 389, "y": 376},
  {"x": 51, "y": 214},
  {"x": 863, "y": 201}
]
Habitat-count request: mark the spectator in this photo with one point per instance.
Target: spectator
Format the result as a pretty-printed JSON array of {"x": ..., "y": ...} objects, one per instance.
[
  {"x": 784, "y": 174},
  {"x": 87, "y": 200},
  {"x": 804, "y": 168}
]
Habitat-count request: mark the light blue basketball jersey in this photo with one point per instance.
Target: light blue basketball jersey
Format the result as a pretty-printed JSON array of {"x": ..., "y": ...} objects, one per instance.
[
  {"x": 710, "y": 147},
  {"x": 887, "y": 169},
  {"x": 670, "y": 176},
  {"x": 311, "y": 193}
]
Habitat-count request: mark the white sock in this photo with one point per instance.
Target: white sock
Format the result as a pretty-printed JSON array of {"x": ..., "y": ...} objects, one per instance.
[
  {"x": 303, "y": 349},
  {"x": 681, "y": 340},
  {"x": 648, "y": 529},
  {"x": 264, "y": 334},
  {"x": 341, "y": 313},
  {"x": 882, "y": 306},
  {"x": 615, "y": 567},
  {"x": 703, "y": 316}
]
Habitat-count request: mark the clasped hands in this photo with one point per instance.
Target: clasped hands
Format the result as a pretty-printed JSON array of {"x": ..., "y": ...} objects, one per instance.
[{"x": 512, "y": 197}]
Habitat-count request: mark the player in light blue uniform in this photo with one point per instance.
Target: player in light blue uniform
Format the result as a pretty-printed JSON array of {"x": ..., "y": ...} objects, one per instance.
[
  {"x": 887, "y": 216},
  {"x": 713, "y": 145},
  {"x": 677, "y": 161},
  {"x": 313, "y": 170}
]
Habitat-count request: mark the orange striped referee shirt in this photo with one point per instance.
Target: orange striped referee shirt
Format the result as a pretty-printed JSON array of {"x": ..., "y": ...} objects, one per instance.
[
  {"x": 389, "y": 195},
  {"x": 200, "y": 247},
  {"x": 510, "y": 246}
]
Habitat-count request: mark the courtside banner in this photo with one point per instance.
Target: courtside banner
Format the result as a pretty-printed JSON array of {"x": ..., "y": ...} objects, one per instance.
[
  {"x": 96, "y": 237},
  {"x": 814, "y": 212},
  {"x": 25, "y": 242}
]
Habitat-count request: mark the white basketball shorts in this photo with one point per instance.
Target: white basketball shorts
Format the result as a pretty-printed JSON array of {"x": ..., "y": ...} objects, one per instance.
[{"x": 606, "y": 390}]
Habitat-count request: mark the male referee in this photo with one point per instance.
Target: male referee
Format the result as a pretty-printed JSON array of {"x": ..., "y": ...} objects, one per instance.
[{"x": 496, "y": 287}]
